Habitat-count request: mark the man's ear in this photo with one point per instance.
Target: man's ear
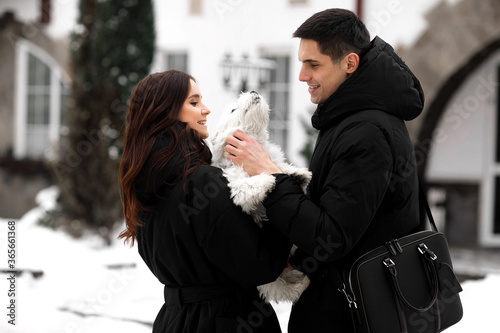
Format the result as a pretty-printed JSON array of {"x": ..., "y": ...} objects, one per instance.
[{"x": 351, "y": 62}]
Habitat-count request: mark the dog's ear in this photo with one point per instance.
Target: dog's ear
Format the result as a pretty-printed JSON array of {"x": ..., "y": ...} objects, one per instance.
[{"x": 231, "y": 115}]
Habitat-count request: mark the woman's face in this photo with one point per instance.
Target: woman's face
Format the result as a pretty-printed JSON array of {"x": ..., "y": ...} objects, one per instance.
[{"x": 194, "y": 112}]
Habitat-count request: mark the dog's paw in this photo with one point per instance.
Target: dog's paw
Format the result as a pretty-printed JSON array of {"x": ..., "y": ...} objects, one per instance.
[{"x": 287, "y": 288}]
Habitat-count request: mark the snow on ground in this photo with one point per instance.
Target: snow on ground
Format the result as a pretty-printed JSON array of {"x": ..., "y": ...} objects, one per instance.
[{"x": 86, "y": 287}]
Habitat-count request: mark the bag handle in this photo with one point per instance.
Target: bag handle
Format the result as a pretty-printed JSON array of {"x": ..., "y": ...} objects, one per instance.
[
  {"x": 429, "y": 261},
  {"x": 339, "y": 281}
]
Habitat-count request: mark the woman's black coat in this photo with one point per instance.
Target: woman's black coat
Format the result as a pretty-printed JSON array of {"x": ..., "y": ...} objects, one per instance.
[
  {"x": 207, "y": 252},
  {"x": 364, "y": 186}
]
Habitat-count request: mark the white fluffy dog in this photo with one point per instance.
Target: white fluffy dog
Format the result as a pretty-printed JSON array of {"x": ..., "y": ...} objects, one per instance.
[{"x": 251, "y": 115}]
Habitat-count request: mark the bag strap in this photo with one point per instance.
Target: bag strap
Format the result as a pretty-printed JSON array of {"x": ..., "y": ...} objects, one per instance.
[{"x": 425, "y": 203}]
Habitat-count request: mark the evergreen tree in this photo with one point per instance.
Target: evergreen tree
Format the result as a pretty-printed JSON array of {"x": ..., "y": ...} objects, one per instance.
[{"x": 111, "y": 51}]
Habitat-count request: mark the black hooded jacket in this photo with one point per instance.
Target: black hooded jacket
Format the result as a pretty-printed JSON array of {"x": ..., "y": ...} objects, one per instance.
[
  {"x": 364, "y": 186},
  {"x": 206, "y": 251}
]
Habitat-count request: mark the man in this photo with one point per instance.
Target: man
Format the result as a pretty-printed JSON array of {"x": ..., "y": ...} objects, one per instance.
[{"x": 364, "y": 189}]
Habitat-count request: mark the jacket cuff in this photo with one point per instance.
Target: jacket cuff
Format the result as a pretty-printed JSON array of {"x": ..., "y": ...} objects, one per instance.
[{"x": 284, "y": 185}]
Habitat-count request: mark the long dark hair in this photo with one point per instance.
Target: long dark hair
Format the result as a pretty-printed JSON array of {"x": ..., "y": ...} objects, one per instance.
[{"x": 153, "y": 111}]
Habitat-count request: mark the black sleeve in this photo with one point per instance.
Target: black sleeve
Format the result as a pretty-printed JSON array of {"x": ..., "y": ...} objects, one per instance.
[
  {"x": 241, "y": 249},
  {"x": 350, "y": 196}
]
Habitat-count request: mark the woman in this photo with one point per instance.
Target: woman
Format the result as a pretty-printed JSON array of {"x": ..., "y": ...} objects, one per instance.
[{"x": 209, "y": 254}]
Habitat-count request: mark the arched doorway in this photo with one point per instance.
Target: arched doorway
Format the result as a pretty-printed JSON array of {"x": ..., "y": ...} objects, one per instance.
[
  {"x": 459, "y": 146},
  {"x": 457, "y": 60}
]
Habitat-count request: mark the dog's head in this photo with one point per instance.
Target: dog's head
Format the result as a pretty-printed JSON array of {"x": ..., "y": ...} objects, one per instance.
[{"x": 249, "y": 114}]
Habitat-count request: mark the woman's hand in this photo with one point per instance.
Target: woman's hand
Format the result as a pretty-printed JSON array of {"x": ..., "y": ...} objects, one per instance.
[{"x": 245, "y": 151}]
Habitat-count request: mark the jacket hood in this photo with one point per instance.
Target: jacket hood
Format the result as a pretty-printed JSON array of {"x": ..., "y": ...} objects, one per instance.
[
  {"x": 381, "y": 82},
  {"x": 149, "y": 184}
]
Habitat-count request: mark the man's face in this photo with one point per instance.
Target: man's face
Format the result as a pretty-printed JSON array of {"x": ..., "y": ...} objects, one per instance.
[{"x": 319, "y": 72}]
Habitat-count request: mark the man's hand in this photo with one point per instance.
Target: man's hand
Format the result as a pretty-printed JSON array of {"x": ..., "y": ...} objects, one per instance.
[{"x": 245, "y": 151}]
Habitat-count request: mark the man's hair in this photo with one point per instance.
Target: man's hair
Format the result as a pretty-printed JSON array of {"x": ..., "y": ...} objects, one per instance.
[{"x": 338, "y": 32}]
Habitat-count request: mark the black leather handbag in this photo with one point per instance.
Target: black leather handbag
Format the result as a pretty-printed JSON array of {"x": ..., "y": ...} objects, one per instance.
[{"x": 406, "y": 285}]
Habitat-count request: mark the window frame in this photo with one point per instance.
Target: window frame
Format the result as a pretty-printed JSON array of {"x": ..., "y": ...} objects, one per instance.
[
  {"x": 57, "y": 82},
  {"x": 278, "y": 126},
  {"x": 487, "y": 235}
]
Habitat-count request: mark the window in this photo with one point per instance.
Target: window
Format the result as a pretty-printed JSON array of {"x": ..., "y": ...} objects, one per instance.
[
  {"x": 178, "y": 61},
  {"x": 278, "y": 100},
  {"x": 40, "y": 96}
]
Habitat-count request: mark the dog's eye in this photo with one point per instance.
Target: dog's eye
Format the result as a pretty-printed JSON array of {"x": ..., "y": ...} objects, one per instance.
[{"x": 233, "y": 110}]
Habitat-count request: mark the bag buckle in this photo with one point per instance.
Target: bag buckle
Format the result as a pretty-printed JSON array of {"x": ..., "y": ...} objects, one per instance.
[
  {"x": 391, "y": 266},
  {"x": 389, "y": 263},
  {"x": 352, "y": 302},
  {"x": 423, "y": 249}
]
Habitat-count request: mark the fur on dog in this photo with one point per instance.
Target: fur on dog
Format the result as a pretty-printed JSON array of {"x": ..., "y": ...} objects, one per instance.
[{"x": 250, "y": 114}]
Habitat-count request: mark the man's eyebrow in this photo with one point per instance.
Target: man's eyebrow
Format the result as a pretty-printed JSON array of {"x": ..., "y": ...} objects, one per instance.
[{"x": 309, "y": 61}]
